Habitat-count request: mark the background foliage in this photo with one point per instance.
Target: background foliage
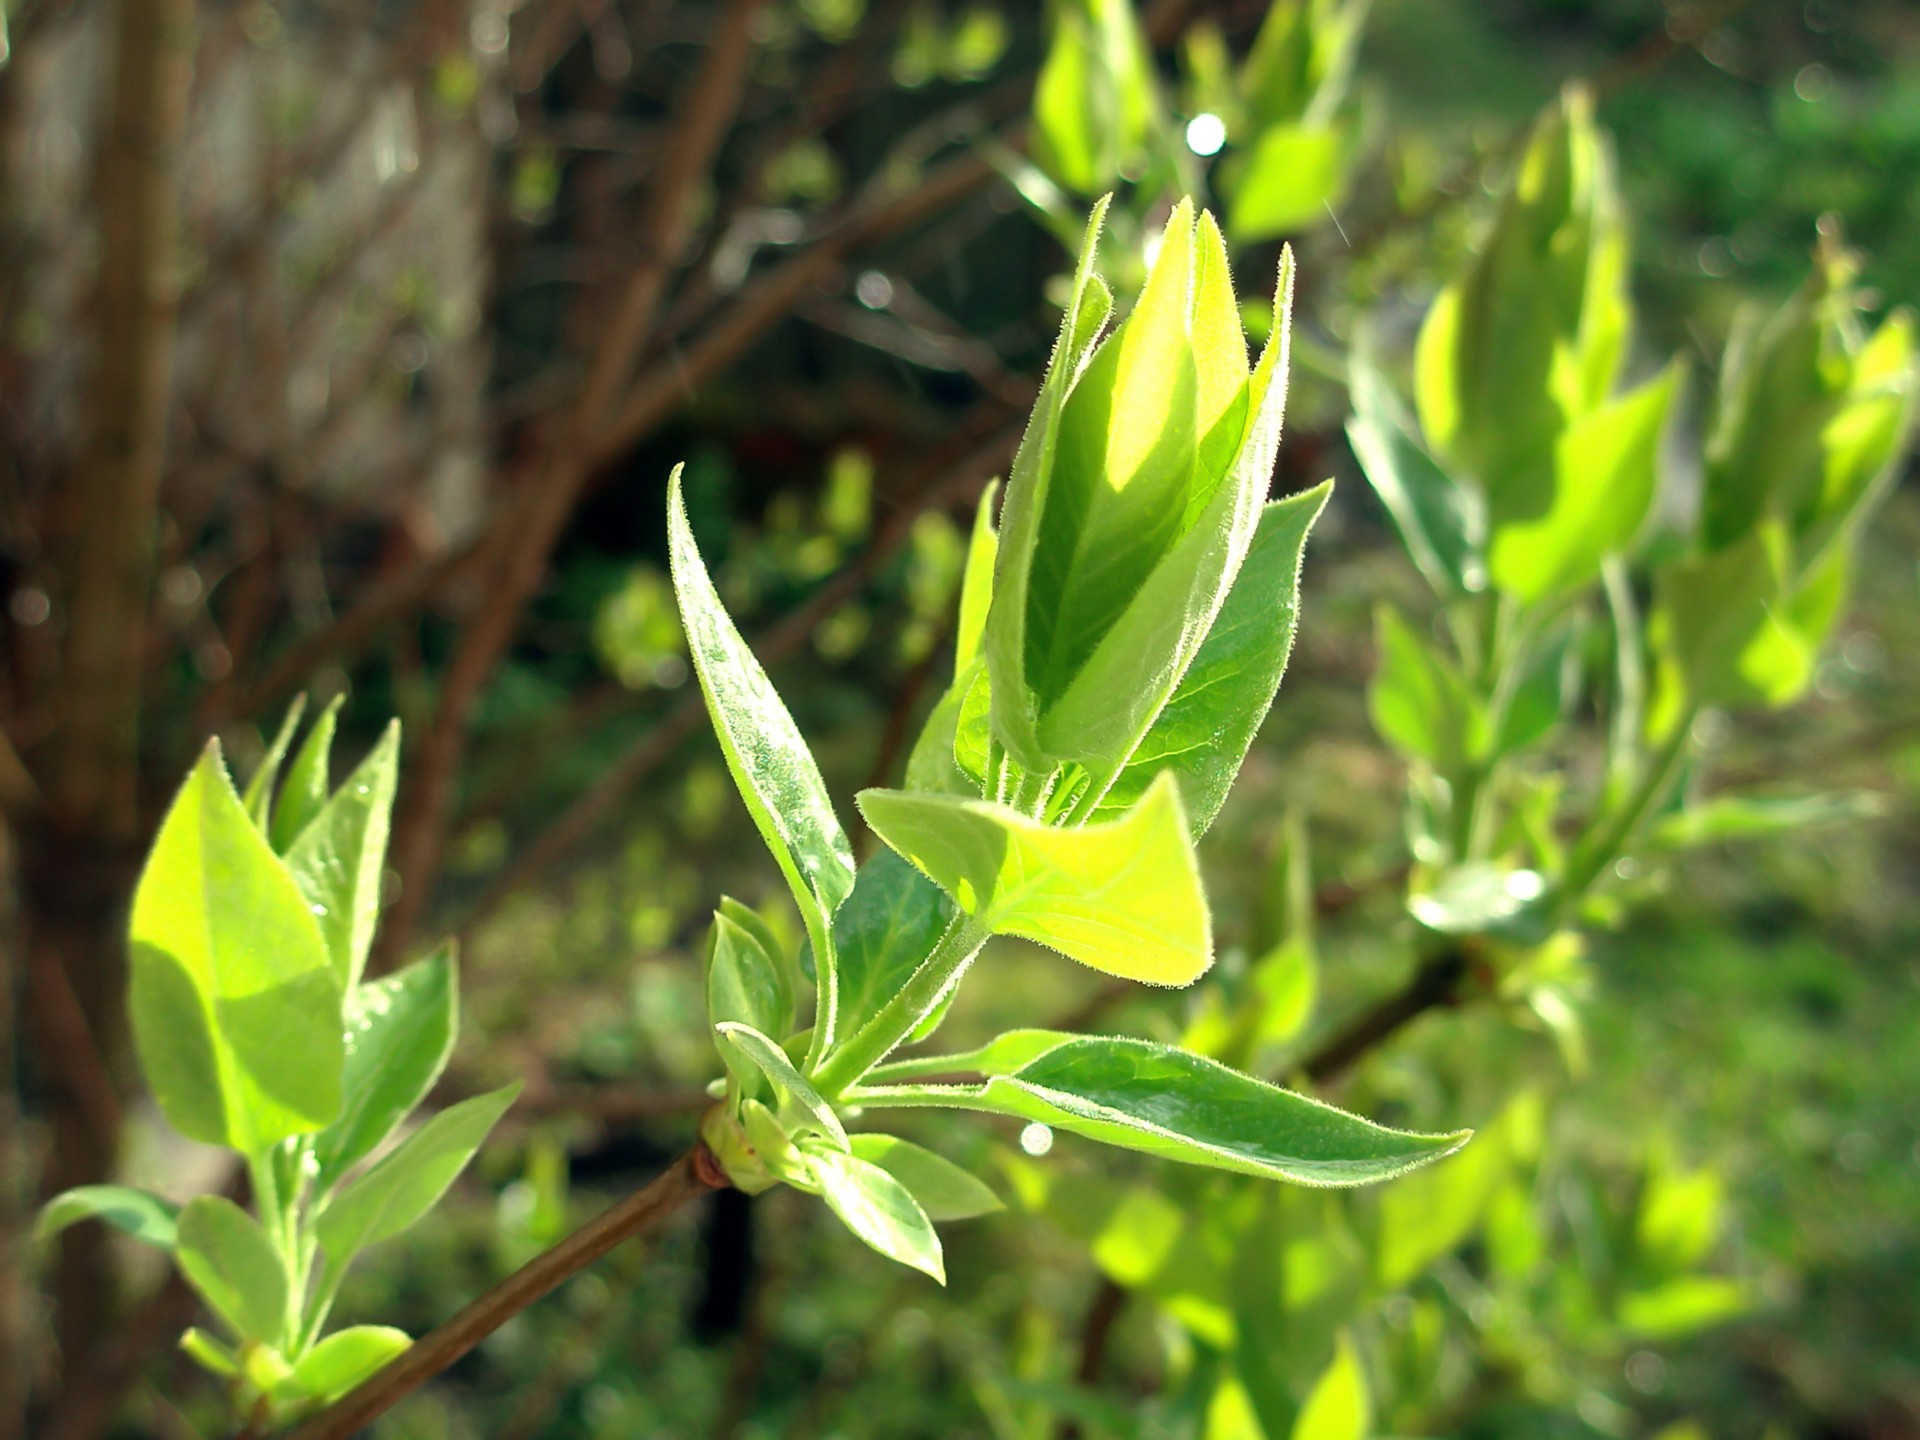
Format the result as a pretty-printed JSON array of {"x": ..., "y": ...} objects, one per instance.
[{"x": 459, "y": 283}]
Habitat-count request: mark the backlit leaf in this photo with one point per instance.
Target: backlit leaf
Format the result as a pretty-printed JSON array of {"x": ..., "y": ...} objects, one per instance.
[{"x": 879, "y": 1209}]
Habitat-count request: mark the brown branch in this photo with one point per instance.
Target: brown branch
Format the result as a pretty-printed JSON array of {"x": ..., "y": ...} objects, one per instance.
[
  {"x": 646, "y": 1209},
  {"x": 707, "y": 113},
  {"x": 1434, "y": 983}
]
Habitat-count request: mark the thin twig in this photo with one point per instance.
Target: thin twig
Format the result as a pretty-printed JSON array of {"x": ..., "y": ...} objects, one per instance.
[{"x": 693, "y": 1174}]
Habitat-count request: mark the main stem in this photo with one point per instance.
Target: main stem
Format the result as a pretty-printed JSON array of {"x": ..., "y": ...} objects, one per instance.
[
  {"x": 691, "y": 1175},
  {"x": 880, "y": 1036}
]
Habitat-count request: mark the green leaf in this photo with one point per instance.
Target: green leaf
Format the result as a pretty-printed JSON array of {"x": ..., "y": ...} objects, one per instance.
[
  {"x": 1123, "y": 897},
  {"x": 770, "y": 762},
  {"x": 1682, "y": 1307},
  {"x": 890, "y": 923},
  {"x": 345, "y": 1358},
  {"x": 400, "y": 1034},
  {"x": 1546, "y": 689},
  {"x": 258, "y": 797},
  {"x": 1180, "y": 1106},
  {"x": 745, "y": 982},
  {"x": 232, "y": 1265},
  {"x": 1756, "y": 817},
  {"x": 801, "y": 1106},
  {"x": 878, "y": 1209},
  {"x": 938, "y": 1186},
  {"x": 1094, "y": 101},
  {"x": 1338, "y": 1407},
  {"x": 931, "y": 766},
  {"x": 973, "y": 731},
  {"x": 1419, "y": 703},
  {"x": 337, "y": 859},
  {"x": 976, "y": 584},
  {"x": 132, "y": 1212},
  {"x": 236, "y": 1010},
  {"x": 305, "y": 791},
  {"x": 1735, "y": 625},
  {"x": 1441, "y": 522},
  {"x": 410, "y": 1179},
  {"x": 1203, "y": 735},
  {"x": 209, "y": 1354},
  {"x": 1292, "y": 179},
  {"x": 1002, "y": 1055},
  {"x": 1603, "y": 481}
]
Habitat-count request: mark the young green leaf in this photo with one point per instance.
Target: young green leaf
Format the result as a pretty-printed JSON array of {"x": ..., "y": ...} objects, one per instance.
[
  {"x": 305, "y": 791},
  {"x": 878, "y": 1209},
  {"x": 1203, "y": 735},
  {"x": 1002, "y": 1055},
  {"x": 1419, "y": 703},
  {"x": 345, "y": 1358},
  {"x": 1442, "y": 523},
  {"x": 1292, "y": 179},
  {"x": 236, "y": 1010},
  {"x": 938, "y": 1186},
  {"x": 1338, "y": 1407},
  {"x": 1546, "y": 689},
  {"x": 400, "y": 1033},
  {"x": 1123, "y": 897},
  {"x": 770, "y": 762},
  {"x": 1756, "y": 817},
  {"x": 233, "y": 1266},
  {"x": 258, "y": 796},
  {"x": 931, "y": 765},
  {"x": 1094, "y": 102},
  {"x": 337, "y": 858},
  {"x": 132, "y": 1212},
  {"x": 1603, "y": 481},
  {"x": 889, "y": 924},
  {"x": 410, "y": 1179},
  {"x": 1735, "y": 625},
  {"x": 801, "y": 1106},
  {"x": 745, "y": 982},
  {"x": 1180, "y": 1106},
  {"x": 976, "y": 583}
]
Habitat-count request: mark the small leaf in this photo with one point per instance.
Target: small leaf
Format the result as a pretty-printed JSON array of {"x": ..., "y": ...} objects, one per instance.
[
  {"x": 890, "y": 923},
  {"x": 1546, "y": 690},
  {"x": 400, "y": 1034},
  {"x": 338, "y": 858},
  {"x": 878, "y": 1209},
  {"x": 410, "y": 1179},
  {"x": 1477, "y": 898},
  {"x": 1123, "y": 897},
  {"x": 258, "y": 797},
  {"x": 1440, "y": 521},
  {"x": 770, "y": 762},
  {"x": 209, "y": 1354},
  {"x": 1094, "y": 102},
  {"x": 1203, "y": 735},
  {"x": 1002, "y": 1055},
  {"x": 1603, "y": 481},
  {"x": 931, "y": 766},
  {"x": 1756, "y": 817},
  {"x": 976, "y": 584},
  {"x": 1179, "y": 1106},
  {"x": 305, "y": 791},
  {"x": 132, "y": 1212},
  {"x": 1292, "y": 179},
  {"x": 345, "y": 1358},
  {"x": 235, "y": 1007},
  {"x": 744, "y": 981},
  {"x": 941, "y": 1188},
  {"x": 1338, "y": 1407},
  {"x": 1419, "y": 703},
  {"x": 800, "y": 1104},
  {"x": 1683, "y": 1306},
  {"x": 232, "y": 1265}
]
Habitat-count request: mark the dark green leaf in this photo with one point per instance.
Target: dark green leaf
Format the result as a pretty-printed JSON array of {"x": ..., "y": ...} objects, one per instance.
[
  {"x": 889, "y": 924},
  {"x": 400, "y": 1033},
  {"x": 132, "y": 1212},
  {"x": 744, "y": 981},
  {"x": 1441, "y": 522},
  {"x": 407, "y": 1183}
]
